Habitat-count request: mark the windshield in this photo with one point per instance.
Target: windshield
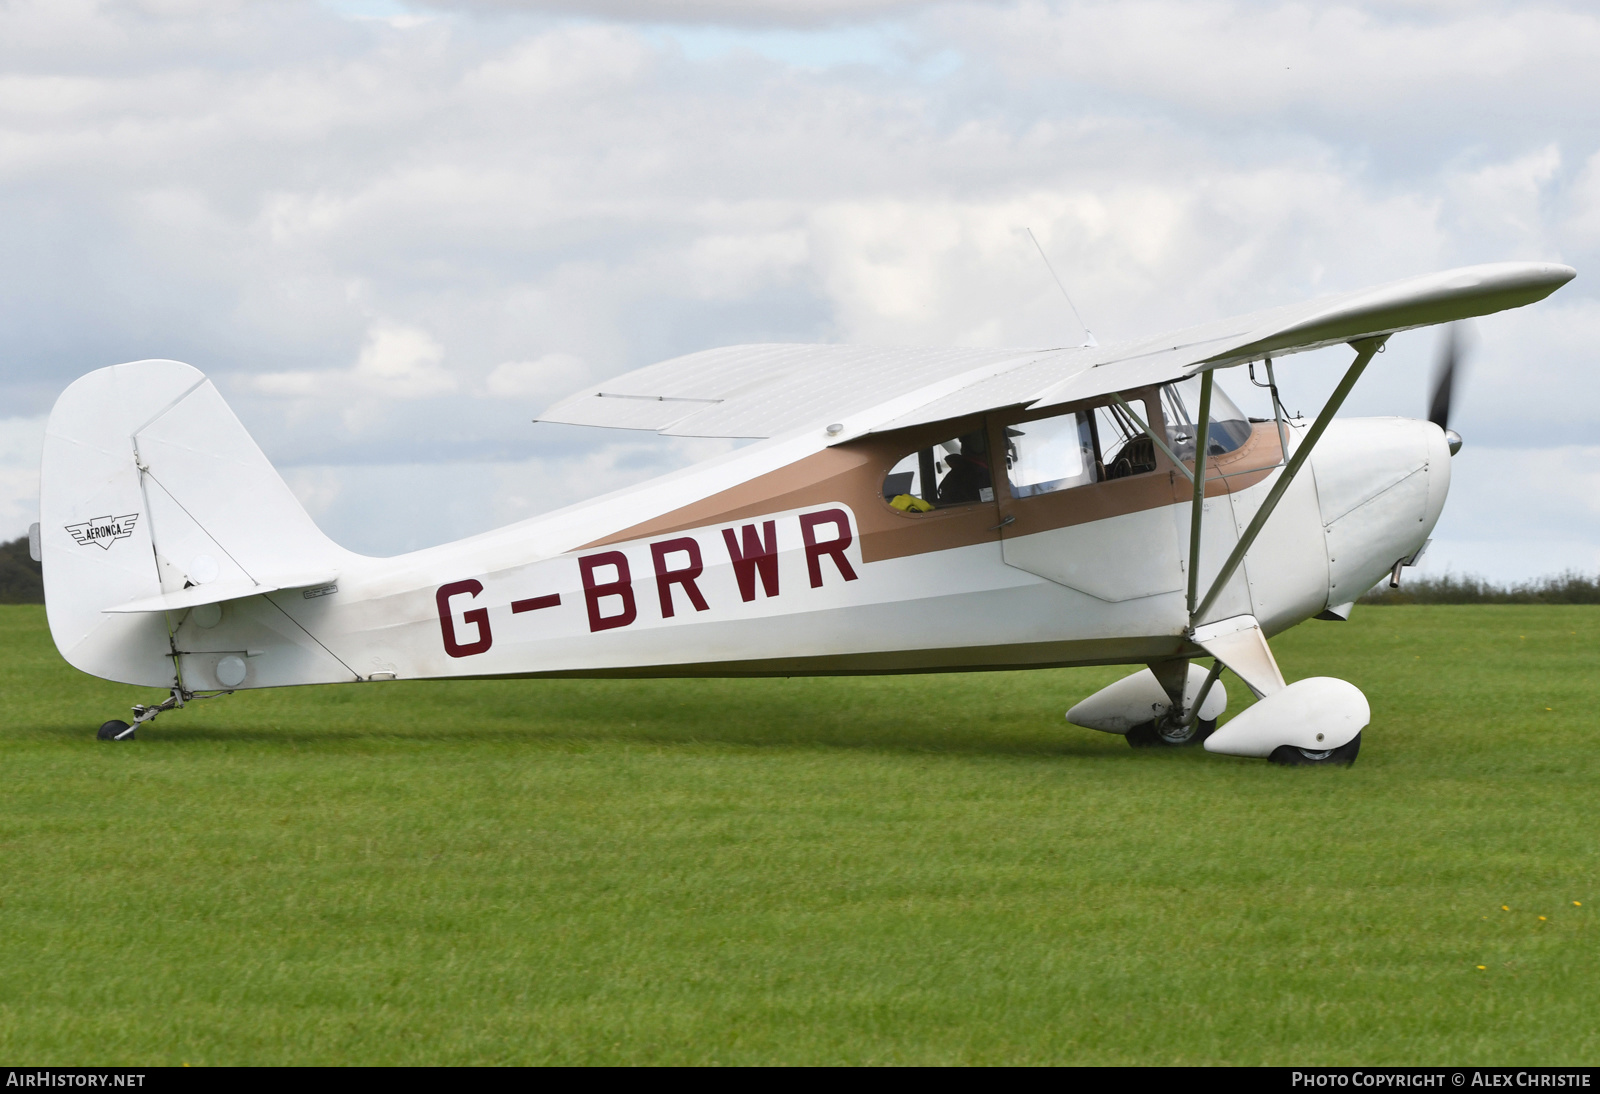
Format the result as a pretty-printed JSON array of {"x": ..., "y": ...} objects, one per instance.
[{"x": 1181, "y": 401}]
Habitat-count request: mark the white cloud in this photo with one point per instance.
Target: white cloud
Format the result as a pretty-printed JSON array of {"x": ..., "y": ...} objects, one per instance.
[
  {"x": 1501, "y": 206},
  {"x": 21, "y": 441},
  {"x": 728, "y": 265},
  {"x": 1518, "y": 513},
  {"x": 396, "y": 363},
  {"x": 1359, "y": 68},
  {"x": 800, "y": 13},
  {"x": 550, "y": 376},
  {"x": 402, "y": 363},
  {"x": 1583, "y": 222}
]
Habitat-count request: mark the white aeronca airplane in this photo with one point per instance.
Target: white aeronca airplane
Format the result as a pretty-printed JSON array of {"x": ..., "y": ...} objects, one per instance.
[{"x": 901, "y": 510}]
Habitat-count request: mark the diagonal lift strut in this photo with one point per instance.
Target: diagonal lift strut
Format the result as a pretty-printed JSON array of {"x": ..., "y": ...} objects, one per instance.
[{"x": 1365, "y": 349}]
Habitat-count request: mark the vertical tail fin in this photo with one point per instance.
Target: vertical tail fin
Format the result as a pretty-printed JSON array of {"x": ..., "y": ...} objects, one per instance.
[{"x": 154, "y": 498}]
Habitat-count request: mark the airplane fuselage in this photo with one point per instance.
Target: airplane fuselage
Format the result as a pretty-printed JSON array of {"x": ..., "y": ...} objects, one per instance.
[{"x": 805, "y": 569}]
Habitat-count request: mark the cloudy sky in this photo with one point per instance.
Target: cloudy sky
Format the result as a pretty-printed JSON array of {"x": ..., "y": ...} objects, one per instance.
[{"x": 393, "y": 231}]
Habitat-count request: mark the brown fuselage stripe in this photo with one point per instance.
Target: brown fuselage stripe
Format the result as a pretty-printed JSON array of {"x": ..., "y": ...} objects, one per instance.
[{"x": 853, "y": 473}]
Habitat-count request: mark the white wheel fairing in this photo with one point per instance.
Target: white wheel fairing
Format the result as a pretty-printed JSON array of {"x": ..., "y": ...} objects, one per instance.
[
  {"x": 1138, "y": 699},
  {"x": 1318, "y": 714}
]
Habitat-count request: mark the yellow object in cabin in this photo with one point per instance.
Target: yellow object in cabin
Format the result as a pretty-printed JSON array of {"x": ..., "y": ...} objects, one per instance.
[{"x": 909, "y": 503}]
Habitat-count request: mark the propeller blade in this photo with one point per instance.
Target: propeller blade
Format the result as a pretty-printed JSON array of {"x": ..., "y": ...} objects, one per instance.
[{"x": 1444, "y": 376}]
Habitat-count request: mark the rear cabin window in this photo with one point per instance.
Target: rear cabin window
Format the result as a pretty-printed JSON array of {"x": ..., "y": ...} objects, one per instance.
[{"x": 954, "y": 472}]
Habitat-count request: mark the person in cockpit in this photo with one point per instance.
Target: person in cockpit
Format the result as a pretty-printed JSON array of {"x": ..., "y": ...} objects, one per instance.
[{"x": 969, "y": 470}]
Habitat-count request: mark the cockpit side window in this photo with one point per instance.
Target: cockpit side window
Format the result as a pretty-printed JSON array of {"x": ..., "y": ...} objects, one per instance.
[
  {"x": 1050, "y": 454},
  {"x": 1125, "y": 448},
  {"x": 1181, "y": 401},
  {"x": 953, "y": 472},
  {"x": 1041, "y": 455},
  {"x": 1061, "y": 451}
]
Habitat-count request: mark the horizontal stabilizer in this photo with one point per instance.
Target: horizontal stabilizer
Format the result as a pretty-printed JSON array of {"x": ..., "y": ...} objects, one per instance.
[{"x": 219, "y": 591}]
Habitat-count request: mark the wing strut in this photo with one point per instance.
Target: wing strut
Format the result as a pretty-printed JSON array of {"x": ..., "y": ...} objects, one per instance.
[
  {"x": 1365, "y": 348},
  {"x": 1197, "y": 508}
]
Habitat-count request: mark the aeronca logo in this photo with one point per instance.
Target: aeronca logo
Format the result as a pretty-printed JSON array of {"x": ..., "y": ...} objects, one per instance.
[{"x": 103, "y": 530}]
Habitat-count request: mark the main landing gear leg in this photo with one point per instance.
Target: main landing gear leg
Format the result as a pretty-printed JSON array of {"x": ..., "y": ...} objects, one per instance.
[
  {"x": 1179, "y": 725},
  {"x": 118, "y": 730}
]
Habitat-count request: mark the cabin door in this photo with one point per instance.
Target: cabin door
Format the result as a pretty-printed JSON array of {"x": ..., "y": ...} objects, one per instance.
[{"x": 1086, "y": 501}]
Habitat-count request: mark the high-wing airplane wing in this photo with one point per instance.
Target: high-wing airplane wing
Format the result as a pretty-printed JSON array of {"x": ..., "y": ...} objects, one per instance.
[{"x": 765, "y": 390}]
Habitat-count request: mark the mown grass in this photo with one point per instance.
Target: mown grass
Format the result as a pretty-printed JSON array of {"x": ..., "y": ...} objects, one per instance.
[{"x": 885, "y": 870}]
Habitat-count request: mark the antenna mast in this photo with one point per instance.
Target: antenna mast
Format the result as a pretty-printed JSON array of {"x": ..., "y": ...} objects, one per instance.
[{"x": 1088, "y": 335}]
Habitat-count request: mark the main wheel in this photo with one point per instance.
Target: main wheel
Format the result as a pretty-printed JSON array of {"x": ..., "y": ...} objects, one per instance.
[
  {"x": 1294, "y": 756},
  {"x": 114, "y": 730},
  {"x": 1163, "y": 734}
]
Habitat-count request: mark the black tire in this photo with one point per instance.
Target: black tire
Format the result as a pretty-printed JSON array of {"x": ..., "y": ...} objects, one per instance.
[
  {"x": 1293, "y": 756},
  {"x": 114, "y": 730},
  {"x": 1149, "y": 735}
]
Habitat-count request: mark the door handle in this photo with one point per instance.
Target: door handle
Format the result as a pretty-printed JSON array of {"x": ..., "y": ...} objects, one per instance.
[{"x": 1003, "y": 523}]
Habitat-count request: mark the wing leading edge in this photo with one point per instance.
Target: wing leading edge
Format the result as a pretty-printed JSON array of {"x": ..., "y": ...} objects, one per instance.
[{"x": 766, "y": 390}]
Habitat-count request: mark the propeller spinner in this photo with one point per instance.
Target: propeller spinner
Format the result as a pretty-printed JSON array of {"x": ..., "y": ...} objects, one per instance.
[{"x": 1444, "y": 378}]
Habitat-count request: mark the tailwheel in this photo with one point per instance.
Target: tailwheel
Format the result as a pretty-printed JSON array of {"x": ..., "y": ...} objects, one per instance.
[
  {"x": 1294, "y": 756},
  {"x": 1169, "y": 734},
  {"x": 118, "y": 730},
  {"x": 115, "y": 730}
]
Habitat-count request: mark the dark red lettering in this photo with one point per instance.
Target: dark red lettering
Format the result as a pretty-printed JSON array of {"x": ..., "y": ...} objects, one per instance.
[
  {"x": 760, "y": 555},
  {"x": 666, "y": 578},
  {"x": 534, "y": 603},
  {"x": 478, "y": 617},
  {"x": 835, "y": 547},
  {"x": 596, "y": 591}
]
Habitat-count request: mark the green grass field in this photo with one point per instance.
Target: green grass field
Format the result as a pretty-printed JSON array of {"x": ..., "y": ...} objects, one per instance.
[{"x": 884, "y": 870}]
